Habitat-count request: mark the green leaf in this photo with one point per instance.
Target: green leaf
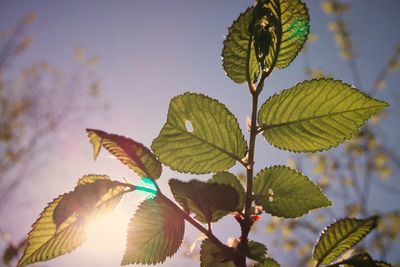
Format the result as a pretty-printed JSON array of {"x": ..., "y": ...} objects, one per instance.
[
  {"x": 272, "y": 32},
  {"x": 238, "y": 55},
  {"x": 383, "y": 264},
  {"x": 290, "y": 33},
  {"x": 287, "y": 193},
  {"x": 262, "y": 26},
  {"x": 359, "y": 260},
  {"x": 208, "y": 201},
  {"x": 257, "y": 251},
  {"x": 200, "y": 136},
  {"x": 212, "y": 256},
  {"x": 229, "y": 179},
  {"x": 341, "y": 236},
  {"x": 154, "y": 233},
  {"x": 315, "y": 115},
  {"x": 133, "y": 154},
  {"x": 269, "y": 262},
  {"x": 61, "y": 226}
]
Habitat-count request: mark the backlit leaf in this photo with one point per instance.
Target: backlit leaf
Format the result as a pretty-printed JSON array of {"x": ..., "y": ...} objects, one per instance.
[
  {"x": 54, "y": 235},
  {"x": 287, "y": 193},
  {"x": 315, "y": 115},
  {"x": 133, "y": 154},
  {"x": 83, "y": 199},
  {"x": 200, "y": 136},
  {"x": 238, "y": 55},
  {"x": 269, "y": 262},
  {"x": 227, "y": 178},
  {"x": 289, "y": 34},
  {"x": 154, "y": 233},
  {"x": 208, "y": 201},
  {"x": 359, "y": 260},
  {"x": 271, "y": 32},
  {"x": 341, "y": 236},
  {"x": 383, "y": 264},
  {"x": 257, "y": 251},
  {"x": 262, "y": 29},
  {"x": 212, "y": 256}
]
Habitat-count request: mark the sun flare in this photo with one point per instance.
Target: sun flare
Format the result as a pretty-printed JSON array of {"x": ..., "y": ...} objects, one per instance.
[{"x": 107, "y": 232}]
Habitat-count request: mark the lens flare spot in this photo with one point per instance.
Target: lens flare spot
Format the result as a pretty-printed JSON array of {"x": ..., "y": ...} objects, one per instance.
[{"x": 106, "y": 233}]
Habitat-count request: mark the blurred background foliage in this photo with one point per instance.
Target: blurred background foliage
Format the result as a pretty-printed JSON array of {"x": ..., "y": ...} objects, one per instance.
[{"x": 36, "y": 101}]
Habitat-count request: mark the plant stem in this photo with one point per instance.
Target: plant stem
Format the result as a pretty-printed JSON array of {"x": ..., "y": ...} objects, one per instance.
[
  {"x": 185, "y": 215},
  {"x": 197, "y": 225},
  {"x": 247, "y": 223},
  {"x": 250, "y": 164}
]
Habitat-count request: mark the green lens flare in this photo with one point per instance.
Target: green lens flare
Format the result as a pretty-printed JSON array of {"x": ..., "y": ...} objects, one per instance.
[
  {"x": 152, "y": 190},
  {"x": 299, "y": 27}
]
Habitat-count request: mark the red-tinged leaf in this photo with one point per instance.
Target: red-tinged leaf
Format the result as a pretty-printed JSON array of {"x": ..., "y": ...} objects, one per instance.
[
  {"x": 131, "y": 153},
  {"x": 208, "y": 201}
]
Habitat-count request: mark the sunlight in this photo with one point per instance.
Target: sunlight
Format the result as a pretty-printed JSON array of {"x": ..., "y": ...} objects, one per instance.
[{"x": 107, "y": 233}]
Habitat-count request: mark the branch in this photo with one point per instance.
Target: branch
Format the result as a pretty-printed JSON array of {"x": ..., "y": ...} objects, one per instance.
[{"x": 197, "y": 225}]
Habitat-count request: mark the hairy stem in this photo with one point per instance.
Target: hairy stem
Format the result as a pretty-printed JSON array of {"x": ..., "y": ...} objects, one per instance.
[
  {"x": 250, "y": 163},
  {"x": 247, "y": 222}
]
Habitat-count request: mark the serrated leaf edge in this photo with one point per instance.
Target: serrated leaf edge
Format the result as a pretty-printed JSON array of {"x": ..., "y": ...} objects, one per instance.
[
  {"x": 125, "y": 262},
  {"x": 23, "y": 263},
  {"x": 329, "y": 202},
  {"x": 340, "y": 141},
  {"x": 247, "y": 57},
  {"x": 372, "y": 218},
  {"x": 303, "y": 44},
  {"x": 138, "y": 161},
  {"x": 236, "y": 158}
]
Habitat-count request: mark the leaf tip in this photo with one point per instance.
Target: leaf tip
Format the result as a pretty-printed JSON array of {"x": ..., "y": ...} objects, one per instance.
[
  {"x": 95, "y": 140},
  {"x": 21, "y": 263},
  {"x": 124, "y": 261},
  {"x": 384, "y": 104},
  {"x": 328, "y": 203}
]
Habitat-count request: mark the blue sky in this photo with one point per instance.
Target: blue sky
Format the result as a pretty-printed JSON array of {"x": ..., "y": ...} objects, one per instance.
[{"x": 150, "y": 51}]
